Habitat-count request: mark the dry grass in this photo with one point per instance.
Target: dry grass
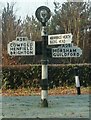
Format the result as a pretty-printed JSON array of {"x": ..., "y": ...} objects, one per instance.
[{"x": 36, "y": 91}]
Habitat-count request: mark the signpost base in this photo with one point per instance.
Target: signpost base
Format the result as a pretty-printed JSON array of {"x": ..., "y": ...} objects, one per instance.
[
  {"x": 78, "y": 91},
  {"x": 44, "y": 103},
  {"x": 44, "y": 96}
]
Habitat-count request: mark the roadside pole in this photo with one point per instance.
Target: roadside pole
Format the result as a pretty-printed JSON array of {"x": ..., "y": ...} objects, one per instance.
[
  {"x": 43, "y": 15},
  {"x": 77, "y": 81}
]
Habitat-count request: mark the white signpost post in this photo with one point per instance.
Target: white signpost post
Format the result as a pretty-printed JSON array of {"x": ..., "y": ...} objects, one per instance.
[
  {"x": 21, "y": 47},
  {"x": 59, "y": 39}
]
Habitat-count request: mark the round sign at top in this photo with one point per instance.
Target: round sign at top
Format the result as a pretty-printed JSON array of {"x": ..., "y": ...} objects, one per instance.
[{"x": 43, "y": 14}]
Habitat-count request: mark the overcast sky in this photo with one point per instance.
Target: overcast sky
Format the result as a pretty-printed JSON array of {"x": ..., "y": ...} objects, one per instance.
[{"x": 29, "y": 7}]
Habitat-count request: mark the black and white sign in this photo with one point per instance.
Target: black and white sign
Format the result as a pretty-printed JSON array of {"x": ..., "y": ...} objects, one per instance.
[
  {"x": 21, "y": 47},
  {"x": 43, "y": 14},
  {"x": 59, "y": 39},
  {"x": 66, "y": 50}
]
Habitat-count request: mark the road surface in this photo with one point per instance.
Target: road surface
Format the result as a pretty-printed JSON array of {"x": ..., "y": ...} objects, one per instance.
[{"x": 70, "y": 106}]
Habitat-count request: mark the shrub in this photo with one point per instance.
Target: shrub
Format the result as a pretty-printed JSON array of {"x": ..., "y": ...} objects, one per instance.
[{"x": 31, "y": 76}]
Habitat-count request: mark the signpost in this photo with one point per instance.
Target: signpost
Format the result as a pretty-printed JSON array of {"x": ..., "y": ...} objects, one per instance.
[
  {"x": 66, "y": 51},
  {"x": 59, "y": 39},
  {"x": 43, "y": 14},
  {"x": 64, "y": 48},
  {"x": 21, "y": 47}
]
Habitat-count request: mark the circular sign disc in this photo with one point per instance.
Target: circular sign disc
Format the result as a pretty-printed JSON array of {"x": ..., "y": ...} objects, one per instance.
[{"x": 43, "y": 14}]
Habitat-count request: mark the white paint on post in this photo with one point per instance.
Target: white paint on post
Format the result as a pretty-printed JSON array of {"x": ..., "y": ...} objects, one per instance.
[
  {"x": 77, "y": 81},
  {"x": 43, "y": 31},
  {"x": 44, "y": 71},
  {"x": 44, "y": 94}
]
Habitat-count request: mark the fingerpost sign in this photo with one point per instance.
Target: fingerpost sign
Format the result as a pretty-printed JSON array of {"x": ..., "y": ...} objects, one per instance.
[
  {"x": 21, "y": 47},
  {"x": 59, "y": 39},
  {"x": 66, "y": 51}
]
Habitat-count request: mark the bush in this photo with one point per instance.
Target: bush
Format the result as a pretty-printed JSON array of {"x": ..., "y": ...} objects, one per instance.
[{"x": 31, "y": 76}]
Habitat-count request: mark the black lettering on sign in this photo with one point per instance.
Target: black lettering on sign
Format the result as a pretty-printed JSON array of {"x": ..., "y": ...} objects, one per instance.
[
  {"x": 55, "y": 37},
  {"x": 21, "y": 48},
  {"x": 24, "y": 52},
  {"x": 70, "y": 50},
  {"x": 60, "y": 50},
  {"x": 31, "y": 48},
  {"x": 20, "y": 39},
  {"x": 74, "y": 50},
  {"x": 17, "y": 39},
  {"x": 11, "y": 48},
  {"x": 77, "y": 54},
  {"x": 61, "y": 41},
  {"x": 31, "y": 44},
  {"x": 12, "y": 45},
  {"x": 18, "y": 48},
  {"x": 55, "y": 50},
  {"x": 54, "y": 54},
  {"x": 19, "y": 52},
  {"x": 24, "y": 39},
  {"x": 66, "y": 36},
  {"x": 27, "y": 52},
  {"x": 27, "y": 48},
  {"x": 31, "y": 52},
  {"x": 53, "y": 41},
  {"x": 66, "y": 50},
  {"x": 24, "y": 44},
  {"x": 11, "y": 52},
  {"x": 71, "y": 54},
  {"x": 18, "y": 44},
  {"x": 51, "y": 37},
  {"x": 65, "y": 54}
]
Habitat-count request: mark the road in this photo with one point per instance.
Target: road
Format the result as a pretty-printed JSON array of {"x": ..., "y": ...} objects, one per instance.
[{"x": 70, "y": 106}]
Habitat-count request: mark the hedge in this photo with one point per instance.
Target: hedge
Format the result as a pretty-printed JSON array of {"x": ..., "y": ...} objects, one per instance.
[{"x": 30, "y": 76}]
